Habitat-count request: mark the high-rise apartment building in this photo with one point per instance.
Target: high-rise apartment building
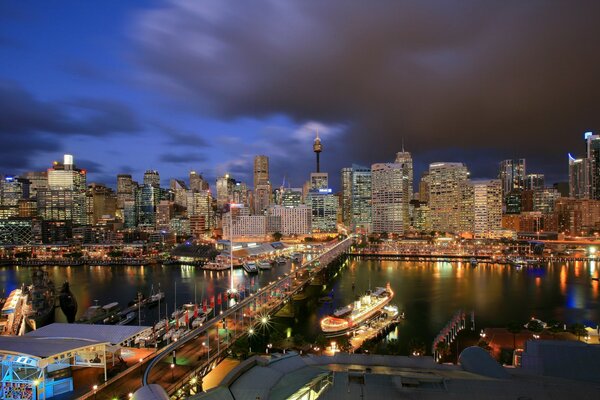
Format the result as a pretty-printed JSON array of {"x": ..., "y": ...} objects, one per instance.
[
  {"x": 446, "y": 180},
  {"x": 391, "y": 192},
  {"x": 579, "y": 178},
  {"x": 487, "y": 207}
]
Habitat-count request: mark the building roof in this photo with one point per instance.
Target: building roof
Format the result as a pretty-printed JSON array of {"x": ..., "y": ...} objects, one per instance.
[
  {"x": 360, "y": 377},
  {"x": 113, "y": 334},
  {"x": 188, "y": 249},
  {"x": 41, "y": 347}
]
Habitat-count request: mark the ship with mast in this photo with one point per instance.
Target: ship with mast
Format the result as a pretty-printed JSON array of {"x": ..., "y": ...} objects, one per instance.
[{"x": 353, "y": 315}]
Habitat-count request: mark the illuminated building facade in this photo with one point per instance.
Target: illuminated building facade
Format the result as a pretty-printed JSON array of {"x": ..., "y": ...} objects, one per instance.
[
  {"x": 391, "y": 192},
  {"x": 446, "y": 180}
]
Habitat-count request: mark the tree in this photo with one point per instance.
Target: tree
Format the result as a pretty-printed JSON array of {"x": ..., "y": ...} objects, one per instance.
[
  {"x": 416, "y": 347},
  {"x": 443, "y": 349},
  {"x": 579, "y": 330},
  {"x": 535, "y": 326},
  {"x": 514, "y": 328},
  {"x": 277, "y": 236}
]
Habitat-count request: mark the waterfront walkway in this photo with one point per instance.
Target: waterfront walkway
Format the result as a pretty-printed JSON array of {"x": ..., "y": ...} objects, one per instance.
[{"x": 181, "y": 366}]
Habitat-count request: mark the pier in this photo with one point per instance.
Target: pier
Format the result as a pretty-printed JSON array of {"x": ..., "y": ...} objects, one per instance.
[{"x": 180, "y": 366}]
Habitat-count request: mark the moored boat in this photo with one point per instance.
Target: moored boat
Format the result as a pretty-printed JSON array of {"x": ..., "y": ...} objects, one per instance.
[
  {"x": 250, "y": 267},
  {"x": 264, "y": 265},
  {"x": 68, "y": 303},
  {"x": 353, "y": 315}
]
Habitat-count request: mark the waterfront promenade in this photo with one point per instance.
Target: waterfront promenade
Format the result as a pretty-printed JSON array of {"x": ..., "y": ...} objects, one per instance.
[{"x": 180, "y": 366}]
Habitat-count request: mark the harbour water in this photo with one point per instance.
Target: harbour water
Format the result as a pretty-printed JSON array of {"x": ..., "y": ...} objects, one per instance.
[{"x": 428, "y": 292}]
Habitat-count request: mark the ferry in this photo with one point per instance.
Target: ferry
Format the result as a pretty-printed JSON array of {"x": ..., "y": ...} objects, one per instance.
[
  {"x": 250, "y": 267},
  {"x": 353, "y": 315},
  {"x": 215, "y": 266}
]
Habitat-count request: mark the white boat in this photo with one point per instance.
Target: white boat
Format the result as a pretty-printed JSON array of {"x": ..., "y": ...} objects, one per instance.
[
  {"x": 130, "y": 317},
  {"x": 215, "y": 266},
  {"x": 353, "y": 315},
  {"x": 250, "y": 267},
  {"x": 264, "y": 264},
  {"x": 280, "y": 260}
]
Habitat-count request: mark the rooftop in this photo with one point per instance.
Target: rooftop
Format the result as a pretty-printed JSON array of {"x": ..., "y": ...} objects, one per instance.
[{"x": 113, "y": 334}]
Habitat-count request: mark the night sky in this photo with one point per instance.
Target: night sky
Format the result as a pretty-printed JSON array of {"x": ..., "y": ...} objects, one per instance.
[{"x": 127, "y": 86}]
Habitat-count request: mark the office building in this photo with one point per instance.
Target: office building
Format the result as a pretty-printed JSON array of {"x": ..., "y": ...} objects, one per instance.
[
  {"x": 535, "y": 182},
  {"x": 319, "y": 180},
  {"x": 291, "y": 197},
  {"x": 356, "y": 198},
  {"x": 512, "y": 175},
  {"x": 445, "y": 184},
  {"x": 197, "y": 182},
  {"x": 579, "y": 178},
  {"x": 200, "y": 210},
  {"x": 225, "y": 185},
  {"x": 324, "y": 208},
  {"x": 261, "y": 170},
  {"x": 152, "y": 178},
  {"x": 65, "y": 197}
]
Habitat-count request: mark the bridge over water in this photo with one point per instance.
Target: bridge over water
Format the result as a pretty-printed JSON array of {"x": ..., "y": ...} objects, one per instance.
[{"x": 180, "y": 366}]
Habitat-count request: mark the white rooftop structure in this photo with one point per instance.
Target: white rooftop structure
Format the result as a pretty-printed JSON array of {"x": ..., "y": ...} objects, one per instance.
[{"x": 112, "y": 334}]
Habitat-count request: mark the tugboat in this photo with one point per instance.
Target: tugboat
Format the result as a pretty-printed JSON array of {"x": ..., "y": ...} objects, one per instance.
[
  {"x": 68, "y": 303},
  {"x": 40, "y": 300}
]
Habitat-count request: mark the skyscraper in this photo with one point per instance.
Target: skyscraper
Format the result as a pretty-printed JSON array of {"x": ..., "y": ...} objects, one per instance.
[
  {"x": 152, "y": 178},
  {"x": 391, "y": 188},
  {"x": 487, "y": 207},
  {"x": 593, "y": 163},
  {"x": 261, "y": 170},
  {"x": 445, "y": 184},
  {"x": 512, "y": 175},
  {"x": 356, "y": 198},
  {"x": 65, "y": 198},
  {"x": 579, "y": 178},
  {"x": 197, "y": 182},
  {"x": 534, "y": 182},
  {"x": 225, "y": 186}
]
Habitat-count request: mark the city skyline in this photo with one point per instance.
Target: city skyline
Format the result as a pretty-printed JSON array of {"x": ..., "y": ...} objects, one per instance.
[{"x": 108, "y": 79}]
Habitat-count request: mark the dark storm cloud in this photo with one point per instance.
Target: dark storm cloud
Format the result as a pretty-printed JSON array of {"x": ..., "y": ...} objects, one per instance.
[
  {"x": 90, "y": 166},
  {"x": 175, "y": 137},
  {"x": 29, "y": 126},
  {"x": 183, "y": 158},
  {"x": 517, "y": 77}
]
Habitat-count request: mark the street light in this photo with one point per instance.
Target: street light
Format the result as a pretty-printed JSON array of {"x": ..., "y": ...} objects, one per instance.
[
  {"x": 172, "y": 373},
  {"x": 269, "y": 346},
  {"x": 95, "y": 388}
]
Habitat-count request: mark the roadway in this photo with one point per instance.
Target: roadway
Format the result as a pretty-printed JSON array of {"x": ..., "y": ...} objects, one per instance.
[{"x": 192, "y": 350}]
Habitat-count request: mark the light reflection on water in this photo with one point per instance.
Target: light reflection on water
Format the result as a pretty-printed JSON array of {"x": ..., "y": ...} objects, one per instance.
[{"x": 428, "y": 292}]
